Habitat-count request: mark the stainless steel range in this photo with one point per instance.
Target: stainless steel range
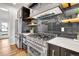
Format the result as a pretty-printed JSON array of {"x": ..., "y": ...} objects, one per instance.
[{"x": 37, "y": 43}]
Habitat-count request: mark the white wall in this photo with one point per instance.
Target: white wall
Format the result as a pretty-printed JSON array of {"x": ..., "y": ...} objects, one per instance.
[{"x": 12, "y": 18}]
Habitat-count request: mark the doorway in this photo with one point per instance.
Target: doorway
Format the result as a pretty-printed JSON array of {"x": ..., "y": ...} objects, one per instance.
[{"x": 4, "y": 30}]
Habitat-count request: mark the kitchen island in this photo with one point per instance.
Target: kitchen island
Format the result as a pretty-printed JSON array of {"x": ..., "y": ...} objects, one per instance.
[{"x": 64, "y": 44}]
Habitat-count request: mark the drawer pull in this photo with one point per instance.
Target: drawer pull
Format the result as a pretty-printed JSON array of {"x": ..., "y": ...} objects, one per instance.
[{"x": 53, "y": 52}]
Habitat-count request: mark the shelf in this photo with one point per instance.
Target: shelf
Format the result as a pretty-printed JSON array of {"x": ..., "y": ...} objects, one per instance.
[
  {"x": 75, "y": 20},
  {"x": 32, "y": 25},
  {"x": 71, "y": 7},
  {"x": 30, "y": 18}
]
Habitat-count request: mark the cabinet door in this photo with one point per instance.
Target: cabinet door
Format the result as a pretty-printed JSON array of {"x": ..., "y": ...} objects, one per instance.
[
  {"x": 25, "y": 12},
  {"x": 71, "y": 53},
  {"x": 53, "y": 50},
  {"x": 24, "y": 46},
  {"x": 65, "y": 52}
]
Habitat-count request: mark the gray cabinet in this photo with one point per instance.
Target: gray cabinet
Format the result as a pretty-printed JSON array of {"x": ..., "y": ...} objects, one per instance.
[
  {"x": 54, "y": 50},
  {"x": 24, "y": 42},
  {"x": 22, "y": 14},
  {"x": 63, "y": 52},
  {"x": 66, "y": 52},
  {"x": 24, "y": 46}
]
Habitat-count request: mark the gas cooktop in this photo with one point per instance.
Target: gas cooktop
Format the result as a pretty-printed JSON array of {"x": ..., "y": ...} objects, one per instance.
[{"x": 43, "y": 36}]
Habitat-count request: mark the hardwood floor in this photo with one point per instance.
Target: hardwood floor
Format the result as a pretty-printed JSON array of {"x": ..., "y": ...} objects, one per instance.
[{"x": 10, "y": 50}]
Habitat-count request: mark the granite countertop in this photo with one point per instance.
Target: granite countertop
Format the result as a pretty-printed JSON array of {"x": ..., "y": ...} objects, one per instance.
[{"x": 65, "y": 43}]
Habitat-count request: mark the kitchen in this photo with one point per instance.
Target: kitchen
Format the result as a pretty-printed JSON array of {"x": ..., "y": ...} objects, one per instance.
[{"x": 45, "y": 29}]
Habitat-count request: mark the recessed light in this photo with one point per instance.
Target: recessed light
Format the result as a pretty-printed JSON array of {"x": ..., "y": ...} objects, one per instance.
[
  {"x": 13, "y": 3},
  {"x": 4, "y": 9}
]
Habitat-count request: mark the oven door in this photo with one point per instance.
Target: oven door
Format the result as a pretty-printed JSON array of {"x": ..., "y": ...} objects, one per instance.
[{"x": 35, "y": 50}]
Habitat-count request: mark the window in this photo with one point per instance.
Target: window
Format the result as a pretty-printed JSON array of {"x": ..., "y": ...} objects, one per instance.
[{"x": 4, "y": 26}]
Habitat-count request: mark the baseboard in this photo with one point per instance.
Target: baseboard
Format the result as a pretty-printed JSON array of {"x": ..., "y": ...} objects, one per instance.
[{"x": 12, "y": 43}]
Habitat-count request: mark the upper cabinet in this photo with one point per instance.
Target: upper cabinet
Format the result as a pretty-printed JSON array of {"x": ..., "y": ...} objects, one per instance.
[
  {"x": 23, "y": 13},
  {"x": 19, "y": 13}
]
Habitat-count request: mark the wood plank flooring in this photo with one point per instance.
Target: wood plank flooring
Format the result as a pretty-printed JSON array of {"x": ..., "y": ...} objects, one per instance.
[{"x": 10, "y": 50}]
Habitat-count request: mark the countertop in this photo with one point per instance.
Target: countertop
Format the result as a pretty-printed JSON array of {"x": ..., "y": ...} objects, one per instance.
[{"x": 65, "y": 43}]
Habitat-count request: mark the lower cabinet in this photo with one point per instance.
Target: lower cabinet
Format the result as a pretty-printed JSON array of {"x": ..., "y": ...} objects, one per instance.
[
  {"x": 24, "y": 46},
  {"x": 66, "y": 52},
  {"x": 54, "y": 50}
]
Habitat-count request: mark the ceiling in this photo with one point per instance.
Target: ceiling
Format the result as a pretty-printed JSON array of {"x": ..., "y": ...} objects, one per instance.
[{"x": 15, "y": 5}]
